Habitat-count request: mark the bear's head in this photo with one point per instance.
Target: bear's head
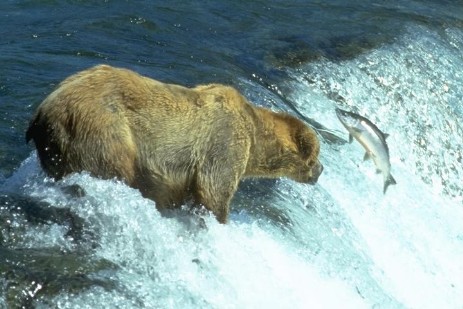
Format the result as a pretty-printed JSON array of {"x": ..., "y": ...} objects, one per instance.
[
  {"x": 309, "y": 168},
  {"x": 291, "y": 150}
]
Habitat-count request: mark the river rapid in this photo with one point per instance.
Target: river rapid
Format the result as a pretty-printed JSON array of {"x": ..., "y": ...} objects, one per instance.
[{"x": 84, "y": 242}]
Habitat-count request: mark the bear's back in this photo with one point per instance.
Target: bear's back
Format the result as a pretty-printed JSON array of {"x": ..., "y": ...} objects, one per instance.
[{"x": 114, "y": 122}]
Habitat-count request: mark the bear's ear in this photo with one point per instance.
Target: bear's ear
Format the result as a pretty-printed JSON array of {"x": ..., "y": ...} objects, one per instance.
[{"x": 306, "y": 142}]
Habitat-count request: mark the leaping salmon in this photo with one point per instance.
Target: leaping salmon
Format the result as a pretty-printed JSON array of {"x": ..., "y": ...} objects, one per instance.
[{"x": 372, "y": 139}]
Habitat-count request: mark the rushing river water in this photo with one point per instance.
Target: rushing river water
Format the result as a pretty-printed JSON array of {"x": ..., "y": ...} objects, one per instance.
[{"x": 339, "y": 244}]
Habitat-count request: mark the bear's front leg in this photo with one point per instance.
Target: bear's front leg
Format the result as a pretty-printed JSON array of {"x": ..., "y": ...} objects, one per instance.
[
  {"x": 215, "y": 195},
  {"x": 216, "y": 183}
]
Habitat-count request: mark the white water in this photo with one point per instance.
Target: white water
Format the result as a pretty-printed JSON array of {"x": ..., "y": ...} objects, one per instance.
[{"x": 339, "y": 244}]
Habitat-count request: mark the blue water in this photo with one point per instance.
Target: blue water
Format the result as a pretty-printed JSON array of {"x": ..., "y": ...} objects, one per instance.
[{"x": 338, "y": 244}]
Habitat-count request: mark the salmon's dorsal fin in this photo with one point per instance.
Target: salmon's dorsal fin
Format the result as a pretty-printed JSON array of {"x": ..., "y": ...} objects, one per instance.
[{"x": 351, "y": 138}]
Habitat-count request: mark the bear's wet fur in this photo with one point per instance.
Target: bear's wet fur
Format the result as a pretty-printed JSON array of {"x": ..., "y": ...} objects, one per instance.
[{"x": 173, "y": 143}]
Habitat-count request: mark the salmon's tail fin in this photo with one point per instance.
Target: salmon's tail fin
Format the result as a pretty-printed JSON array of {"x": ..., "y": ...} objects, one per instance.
[{"x": 389, "y": 181}]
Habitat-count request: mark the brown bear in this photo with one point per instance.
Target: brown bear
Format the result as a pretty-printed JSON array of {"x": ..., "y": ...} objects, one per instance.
[{"x": 174, "y": 144}]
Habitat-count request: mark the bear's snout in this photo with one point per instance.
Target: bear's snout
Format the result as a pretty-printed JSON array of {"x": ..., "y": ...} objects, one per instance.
[{"x": 317, "y": 170}]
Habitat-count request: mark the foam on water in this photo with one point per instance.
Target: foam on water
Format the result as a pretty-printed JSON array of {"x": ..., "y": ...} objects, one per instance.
[
  {"x": 342, "y": 243},
  {"x": 411, "y": 90},
  {"x": 173, "y": 263}
]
